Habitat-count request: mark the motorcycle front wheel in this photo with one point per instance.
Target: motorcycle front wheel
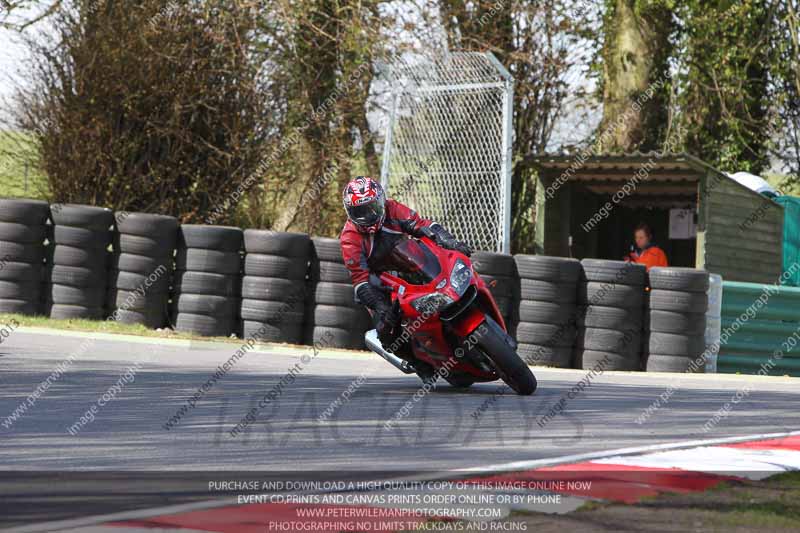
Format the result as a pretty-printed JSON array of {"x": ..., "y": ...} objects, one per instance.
[{"x": 511, "y": 368}]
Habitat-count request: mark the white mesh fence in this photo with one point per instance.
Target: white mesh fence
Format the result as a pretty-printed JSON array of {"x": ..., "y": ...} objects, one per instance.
[{"x": 448, "y": 147}]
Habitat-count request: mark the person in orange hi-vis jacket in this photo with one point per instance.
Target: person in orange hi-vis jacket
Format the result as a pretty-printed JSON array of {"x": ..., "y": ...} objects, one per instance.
[{"x": 646, "y": 253}]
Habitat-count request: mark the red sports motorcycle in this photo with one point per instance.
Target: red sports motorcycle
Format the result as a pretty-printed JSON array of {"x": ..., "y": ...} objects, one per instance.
[{"x": 451, "y": 326}]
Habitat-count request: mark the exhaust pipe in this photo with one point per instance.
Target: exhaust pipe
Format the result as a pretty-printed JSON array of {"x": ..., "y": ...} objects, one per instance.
[{"x": 373, "y": 343}]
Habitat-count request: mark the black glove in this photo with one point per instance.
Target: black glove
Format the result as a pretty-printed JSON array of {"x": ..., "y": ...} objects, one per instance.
[
  {"x": 387, "y": 316},
  {"x": 388, "y": 326},
  {"x": 445, "y": 239}
]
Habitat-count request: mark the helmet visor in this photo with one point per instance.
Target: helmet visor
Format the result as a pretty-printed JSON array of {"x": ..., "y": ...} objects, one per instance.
[{"x": 366, "y": 214}]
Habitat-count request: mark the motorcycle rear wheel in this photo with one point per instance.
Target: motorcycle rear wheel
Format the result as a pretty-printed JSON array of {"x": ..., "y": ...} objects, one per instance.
[{"x": 511, "y": 368}]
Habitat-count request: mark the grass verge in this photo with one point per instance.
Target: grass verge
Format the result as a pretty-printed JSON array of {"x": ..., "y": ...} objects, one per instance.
[
  {"x": 18, "y": 177},
  {"x": 104, "y": 326}
]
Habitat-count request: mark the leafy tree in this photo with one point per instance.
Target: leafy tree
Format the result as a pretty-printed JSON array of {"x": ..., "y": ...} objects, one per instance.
[{"x": 727, "y": 55}]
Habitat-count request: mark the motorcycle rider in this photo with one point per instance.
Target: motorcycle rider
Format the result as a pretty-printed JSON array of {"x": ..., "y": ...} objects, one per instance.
[{"x": 373, "y": 224}]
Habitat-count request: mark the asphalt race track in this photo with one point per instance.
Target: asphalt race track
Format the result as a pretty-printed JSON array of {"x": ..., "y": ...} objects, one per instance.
[{"x": 132, "y": 387}]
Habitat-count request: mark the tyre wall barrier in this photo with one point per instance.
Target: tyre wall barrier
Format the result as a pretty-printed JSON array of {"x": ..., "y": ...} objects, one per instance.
[
  {"x": 760, "y": 329},
  {"x": 610, "y": 313},
  {"x": 274, "y": 287},
  {"x": 547, "y": 309},
  {"x": 675, "y": 338},
  {"x": 77, "y": 261},
  {"x": 141, "y": 268},
  {"x": 334, "y": 318},
  {"x": 713, "y": 322},
  {"x": 23, "y": 231},
  {"x": 212, "y": 254},
  {"x": 611, "y": 297},
  {"x": 287, "y": 287}
]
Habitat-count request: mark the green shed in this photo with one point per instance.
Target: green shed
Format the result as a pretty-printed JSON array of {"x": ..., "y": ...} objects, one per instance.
[{"x": 588, "y": 205}]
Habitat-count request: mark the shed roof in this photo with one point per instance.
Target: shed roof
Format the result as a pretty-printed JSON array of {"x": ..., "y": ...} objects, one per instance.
[
  {"x": 619, "y": 167},
  {"x": 671, "y": 178}
]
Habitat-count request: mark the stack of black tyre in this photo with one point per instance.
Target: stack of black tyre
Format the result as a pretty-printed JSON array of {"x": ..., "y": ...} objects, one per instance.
[
  {"x": 499, "y": 272},
  {"x": 141, "y": 268},
  {"x": 274, "y": 288},
  {"x": 22, "y": 250},
  {"x": 676, "y": 319},
  {"x": 77, "y": 270},
  {"x": 548, "y": 290},
  {"x": 206, "y": 286},
  {"x": 334, "y": 319},
  {"x": 610, "y": 319}
]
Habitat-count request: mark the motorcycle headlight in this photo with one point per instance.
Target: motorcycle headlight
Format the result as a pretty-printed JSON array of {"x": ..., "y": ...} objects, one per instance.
[
  {"x": 431, "y": 303},
  {"x": 460, "y": 277}
]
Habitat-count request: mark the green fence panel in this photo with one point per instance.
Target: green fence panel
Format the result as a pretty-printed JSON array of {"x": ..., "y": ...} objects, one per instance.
[
  {"x": 779, "y": 302},
  {"x": 765, "y": 339},
  {"x": 774, "y": 310},
  {"x": 762, "y": 336},
  {"x": 749, "y": 364},
  {"x": 791, "y": 235}
]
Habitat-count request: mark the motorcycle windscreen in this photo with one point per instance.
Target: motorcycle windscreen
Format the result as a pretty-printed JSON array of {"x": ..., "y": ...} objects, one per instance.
[{"x": 414, "y": 262}]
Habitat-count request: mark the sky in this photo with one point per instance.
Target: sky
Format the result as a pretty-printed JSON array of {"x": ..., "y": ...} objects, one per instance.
[{"x": 11, "y": 55}]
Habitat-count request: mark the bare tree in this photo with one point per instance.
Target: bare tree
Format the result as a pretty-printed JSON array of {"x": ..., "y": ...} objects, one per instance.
[
  {"x": 152, "y": 107},
  {"x": 539, "y": 43},
  {"x": 323, "y": 54},
  {"x": 20, "y": 14}
]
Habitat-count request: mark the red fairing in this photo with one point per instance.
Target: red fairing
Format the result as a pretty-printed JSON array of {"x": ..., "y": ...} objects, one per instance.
[
  {"x": 486, "y": 297},
  {"x": 450, "y": 326},
  {"x": 432, "y": 274},
  {"x": 356, "y": 246},
  {"x": 470, "y": 323}
]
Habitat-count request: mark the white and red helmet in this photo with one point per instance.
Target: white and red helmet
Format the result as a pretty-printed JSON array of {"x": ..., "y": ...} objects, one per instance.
[{"x": 365, "y": 203}]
